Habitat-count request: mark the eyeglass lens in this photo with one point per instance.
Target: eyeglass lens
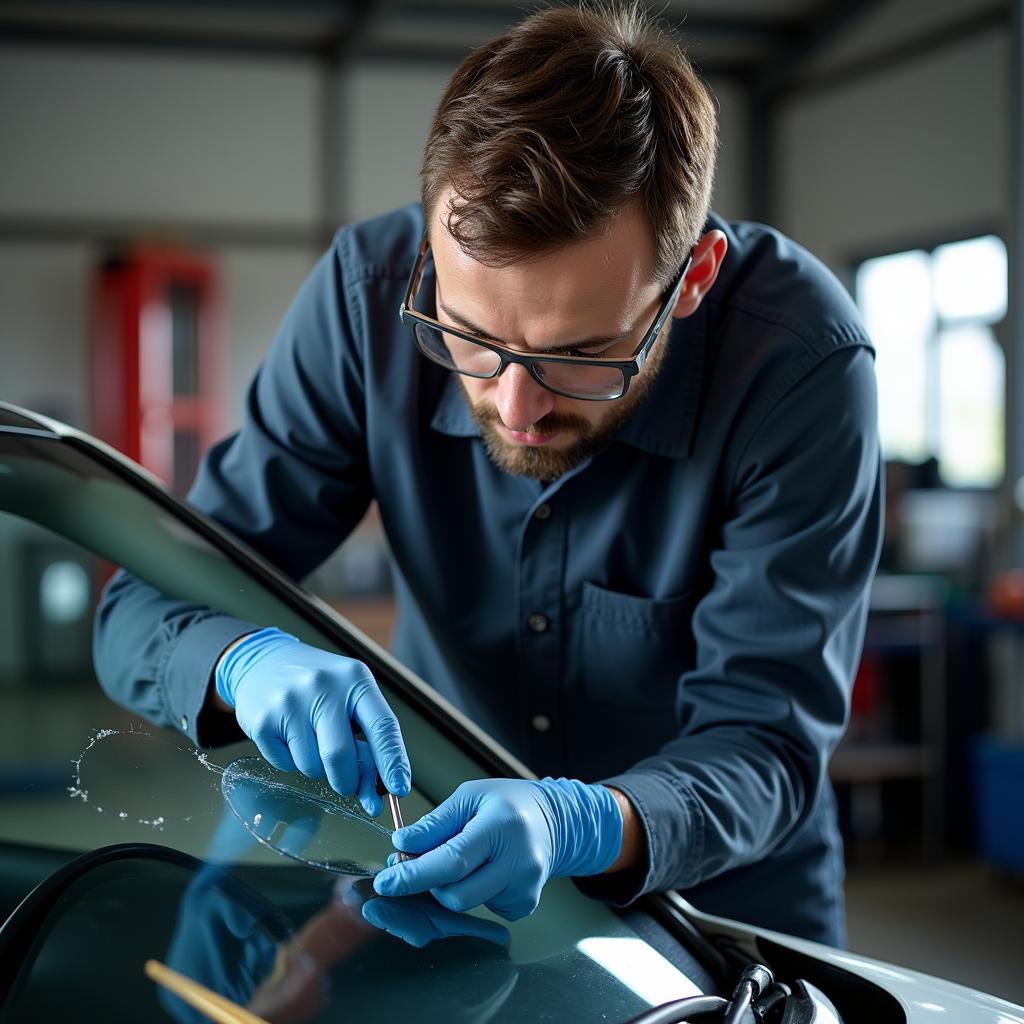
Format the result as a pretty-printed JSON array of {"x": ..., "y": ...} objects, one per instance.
[{"x": 580, "y": 381}]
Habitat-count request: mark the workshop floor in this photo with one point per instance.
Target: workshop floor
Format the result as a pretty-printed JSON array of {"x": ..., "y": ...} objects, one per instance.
[{"x": 961, "y": 922}]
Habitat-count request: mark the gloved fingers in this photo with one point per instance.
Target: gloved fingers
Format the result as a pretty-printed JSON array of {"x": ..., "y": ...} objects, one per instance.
[
  {"x": 484, "y": 884},
  {"x": 302, "y": 744},
  {"x": 338, "y": 752},
  {"x": 402, "y": 922},
  {"x": 515, "y": 902},
  {"x": 444, "y": 865},
  {"x": 367, "y": 792},
  {"x": 419, "y": 920},
  {"x": 275, "y": 750},
  {"x": 384, "y": 735},
  {"x": 444, "y": 822},
  {"x": 450, "y": 924}
]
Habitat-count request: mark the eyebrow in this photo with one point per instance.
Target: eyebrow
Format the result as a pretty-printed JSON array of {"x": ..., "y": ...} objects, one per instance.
[{"x": 595, "y": 342}]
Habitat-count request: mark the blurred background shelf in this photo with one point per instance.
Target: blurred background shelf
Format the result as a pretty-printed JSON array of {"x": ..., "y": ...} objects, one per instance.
[
  {"x": 889, "y": 771},
  {"x": 873, "y": 762}
]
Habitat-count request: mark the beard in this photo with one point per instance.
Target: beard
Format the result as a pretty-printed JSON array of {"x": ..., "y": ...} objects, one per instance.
[{"x": 548, "y": 463}]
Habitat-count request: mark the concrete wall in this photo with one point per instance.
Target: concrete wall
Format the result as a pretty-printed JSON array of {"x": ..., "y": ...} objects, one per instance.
[
  {"x": 916, "y": 153},
  {"x": 732, "y": 169},
  {"x": 158, "y": 135},
  {"x": 157, "y": 139},
  {"x": 44, "y": 333}
]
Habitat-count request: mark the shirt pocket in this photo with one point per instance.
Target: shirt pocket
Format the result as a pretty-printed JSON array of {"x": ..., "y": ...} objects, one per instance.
[{"x": 634, "y": 649}]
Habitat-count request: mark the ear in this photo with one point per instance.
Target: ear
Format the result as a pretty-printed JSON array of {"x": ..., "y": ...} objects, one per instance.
[{"x": 705, "y": 263}]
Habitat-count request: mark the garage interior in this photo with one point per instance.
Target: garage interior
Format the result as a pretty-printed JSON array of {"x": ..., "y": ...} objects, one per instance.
[{"x": 202, "y": 153}]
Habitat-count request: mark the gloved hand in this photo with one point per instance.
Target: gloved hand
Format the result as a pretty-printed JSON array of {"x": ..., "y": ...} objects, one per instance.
[
  {"x": 497, "y": 842},
  {"x": 226, "y": 937},
  {"x": 417, "y": 920},
  {"x": 297, "y": 704}
]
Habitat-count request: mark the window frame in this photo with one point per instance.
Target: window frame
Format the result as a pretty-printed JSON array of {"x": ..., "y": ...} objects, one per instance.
[{"x": 928, "y": 243}]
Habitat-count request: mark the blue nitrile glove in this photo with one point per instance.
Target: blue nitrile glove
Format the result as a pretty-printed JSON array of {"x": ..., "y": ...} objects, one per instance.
[
  {"x": 417, "y": 920},
  {"x": 498, "y": 841},
  {"x": 297, "y": 704}
]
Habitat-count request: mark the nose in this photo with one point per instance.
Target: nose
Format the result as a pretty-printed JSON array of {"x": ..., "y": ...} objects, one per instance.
[{"x": 519, "y": 399}]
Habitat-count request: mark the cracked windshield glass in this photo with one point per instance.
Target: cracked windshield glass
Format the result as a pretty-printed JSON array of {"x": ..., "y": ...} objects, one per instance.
[{"x": 251, "y": 880}]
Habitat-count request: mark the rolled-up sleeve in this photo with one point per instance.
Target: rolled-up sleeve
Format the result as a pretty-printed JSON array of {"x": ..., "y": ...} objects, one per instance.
[
  {"x": 292, "y": 483},
  {"x": 778, "y": 637}
]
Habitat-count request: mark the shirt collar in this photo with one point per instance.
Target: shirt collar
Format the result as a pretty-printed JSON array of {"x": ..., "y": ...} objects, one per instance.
[{"x": 663, "y": 424}]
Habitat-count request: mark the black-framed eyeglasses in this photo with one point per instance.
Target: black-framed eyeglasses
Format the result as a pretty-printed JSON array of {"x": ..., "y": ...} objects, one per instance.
[{"x": 591, "y": 378}]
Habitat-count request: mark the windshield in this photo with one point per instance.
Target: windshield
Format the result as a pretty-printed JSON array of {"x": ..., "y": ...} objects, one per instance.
[{"x": 78, "y": 773}]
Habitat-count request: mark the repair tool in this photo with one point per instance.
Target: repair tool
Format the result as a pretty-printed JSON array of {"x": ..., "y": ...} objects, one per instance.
[{"x": 396, "y": 815}]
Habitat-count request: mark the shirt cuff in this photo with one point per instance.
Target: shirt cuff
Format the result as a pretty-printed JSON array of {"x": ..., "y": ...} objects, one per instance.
[
  {"x": 673, "y": 840},
  {"x": 185, "y": 679}
]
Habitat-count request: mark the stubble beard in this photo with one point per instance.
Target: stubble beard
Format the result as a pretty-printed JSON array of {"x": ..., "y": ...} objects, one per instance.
[{"x": 545, "y": 462}]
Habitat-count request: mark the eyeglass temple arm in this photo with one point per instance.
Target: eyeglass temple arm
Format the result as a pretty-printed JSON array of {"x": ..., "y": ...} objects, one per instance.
[{"x": 417, "y": 276}]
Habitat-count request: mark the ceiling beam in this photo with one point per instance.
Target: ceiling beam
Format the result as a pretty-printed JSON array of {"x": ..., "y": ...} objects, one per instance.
[
  {"x": 770, "y": 79},
  {"x": 495, "y": 17},
  {"x": 345, "y": 43},
  {"x": 61, "y": 8},
  {"x": 886, "y": 58},
  {"x": 41, "y": 23},
  {"x": 115, "y": 231},
  {"x": 83, "y": 36},
  {"x": 780, "y": 71}
]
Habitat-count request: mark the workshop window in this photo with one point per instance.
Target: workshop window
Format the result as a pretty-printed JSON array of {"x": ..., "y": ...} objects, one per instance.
[{"x": 941, "y": 370}]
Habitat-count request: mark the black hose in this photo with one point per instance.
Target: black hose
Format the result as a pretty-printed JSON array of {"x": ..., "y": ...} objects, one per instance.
[
  {"x": 740, "y": 1003},
  {"x": 755, "y": 980},
  {"x": 776, "y": 995},
  {"x": 680, "y": 1010}
]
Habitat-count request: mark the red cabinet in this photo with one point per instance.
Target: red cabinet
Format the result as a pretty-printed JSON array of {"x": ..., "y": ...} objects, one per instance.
[{"x": 159, "y": 359}]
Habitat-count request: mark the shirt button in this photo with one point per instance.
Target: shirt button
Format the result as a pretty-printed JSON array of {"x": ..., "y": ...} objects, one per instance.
[
  {"x": 543, "y": 512},
  {"x": 184, "y": 723},
  {"x": 537, "y": 622},
  {"x": 541, "y": 723}
]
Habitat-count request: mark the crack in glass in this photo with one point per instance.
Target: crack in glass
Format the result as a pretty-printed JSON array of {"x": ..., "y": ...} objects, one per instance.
[
  {"x": 136, "y": 777},
  {"x": 304, "y": 818},
  {"x": 124, "y": 769}
]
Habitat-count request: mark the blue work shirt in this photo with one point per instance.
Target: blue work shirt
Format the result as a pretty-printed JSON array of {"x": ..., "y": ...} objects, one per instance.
[{"x": 680, "y": 616}]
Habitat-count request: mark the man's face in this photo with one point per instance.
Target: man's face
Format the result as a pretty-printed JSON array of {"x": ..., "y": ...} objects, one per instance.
[{"x": 600, "y": 294}]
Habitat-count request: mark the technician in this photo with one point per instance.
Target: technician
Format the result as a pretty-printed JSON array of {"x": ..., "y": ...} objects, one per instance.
[{"x": 625, "y": 454}]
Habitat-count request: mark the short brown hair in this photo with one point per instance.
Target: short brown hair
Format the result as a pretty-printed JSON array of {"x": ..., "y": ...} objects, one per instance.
[{"x": 550, "y": 130}]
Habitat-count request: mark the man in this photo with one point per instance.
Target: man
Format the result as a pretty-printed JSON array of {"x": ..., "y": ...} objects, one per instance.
[{"x": 627, "y": 463}]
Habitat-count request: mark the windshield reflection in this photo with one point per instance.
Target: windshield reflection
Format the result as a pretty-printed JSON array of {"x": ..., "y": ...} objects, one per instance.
[
  {"x": 234, "y": 941},
  {"x": 304, "y": 818},
  {"x": 295, "y": 939},
  {"x": 420, "y": 920},
  {"x": 231, "y": 940}
]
